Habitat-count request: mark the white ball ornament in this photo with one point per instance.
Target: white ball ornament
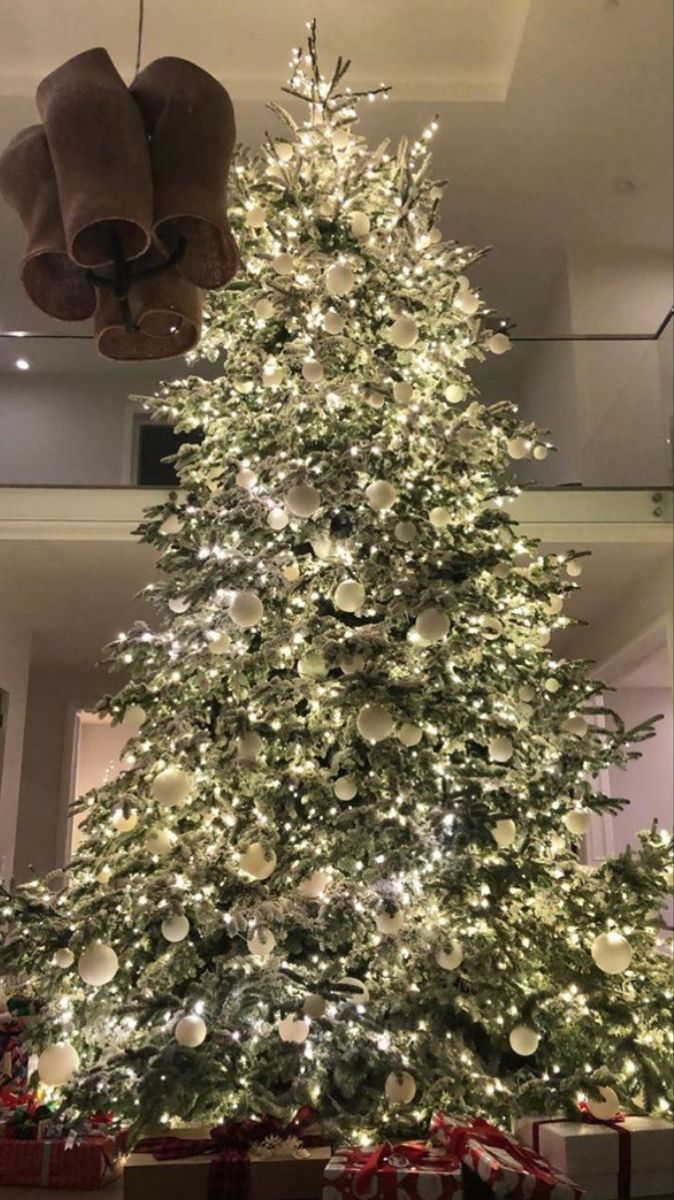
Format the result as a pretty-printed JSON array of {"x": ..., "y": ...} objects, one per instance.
[
  {"x": 345, "y": 788},
  {"x": 257, "y": 862},
  {"x": 312, "y": 371},
  {"x": 606, "y": 1108},
  {"x": 333, "y": 323},
  {"x": 340, "y": 280},
  {"x": 405, "y": 532},
  {"x": 312, "y": 665},
  {"x": 171, "y": 787},
  {"x": 402, "y": 392},
  {"x": 358, "y": 992},
  {"x": 374, "y": 723},
  {"x": 315, "y": 885},
  {"x": 63, "y": 958},
  {"x": 134, "y": 715},
  {"x": 291, "y": 572},
  {"x": 612, "y": 952},
  {"x": 349, "y": 596},
  {"x": 246, "y": 479},
  {"x": 360, "y": 224},
  {"x": 246, "y": 609},
  {"x": 492, "y": 628},
  {"x": 277, "y": 519},
  {"x": 524, "y": 1040},
  {"x": 552, "y": 685},
  {"x": 341, "y": 138},
  {"x": 98, "y": 964},
  {"x": 557, "y": 843},
  {"x": 351, "y": 664},
  {"x": 314, "y": 1007},
  {"x": 381, "y": 495},
  {"x": 540, "y": 453},
  {"x": 578, "y": 821},
  {"x": 303, "y": 500},
  {"x": 256, "y": 217},
  {"x": 248, "y": 746},
  {"x": 501, "y": 570},
  {"x": 124, "y": 822},
  {"x": 264, "y": 309},
  {"x": 283, "y": 264},
  {"x": 435, "y": 236},
  {"x": 179, "y": 605},
  {"x": 171, "y": 525},
  {"x": 451, "y": 958},
  {"x": 409, "y": 734},
  {"x": 517, "y": 447},
  {"x": 504, "y": 833},
  {"x": 574, "y": 568},
  {"x": 440, "y": 517},
  {"x": 575, "y": 725},
  {"x": 526, "y": 693},
  {"x": 293, "y": 1029},
  {"x": 218, "y": 642},
  {"x": 432, "y": 624},
  {"x": 284, "y": 151},
  {"x": 499, "y": 343},
  {"x": 400, "y": 1089},
  {"x": 160, "y": 842},
  {"x": 455, "y": 393},
  {"x": 57, "y": 1064},
  {"x": 467, "y": 302},
  {"x": 403, "y": 333},
  {"x": 272, "y": 373},
  {"x": 390, "y": 925},
  {"x": 190, "y": 1031},
  {"x": 376, "y": 399},
  {"x": 175, "y": 928},
  {"x": 500, "y": 749},
  {"x": 262, "y": 943}
]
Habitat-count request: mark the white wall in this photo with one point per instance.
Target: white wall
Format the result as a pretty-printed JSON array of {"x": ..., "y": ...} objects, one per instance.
[
  {"x": 647, "y": 781},
  {"x": 14, "y": 668},
  {"x": 97, "y": 761}
]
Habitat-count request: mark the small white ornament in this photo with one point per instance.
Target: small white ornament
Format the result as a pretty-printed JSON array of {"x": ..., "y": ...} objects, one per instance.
[
  {"x": 314, "y": 1006},
  {"x": 264, "y": 309},
  {"x": 57, "y": 1064},
  {"x": 190, "y": 1031},
  {"x": 557, "y": 843},
  {"x": 349, "y": 596},
  {"x": 524, "y": 1040},
  {"x": 333, "y": 322},
  {"x": 340, "y": 280},
  {"x": 345, "y": 788},
  {"x": 257, "y": 862},
  {"x": 504, "y": 833},
  {"x": 612, "y": 952},
  {"x": 578, "y": 821},
  {"x": 409, "y": 734},
  {"x": 375, "y": 399},
  {"x": 98, "y": 964},
  {"x": 606, "y": 1108},
  {"x": 501, "y": 570},
  {"x": 358, "y": 992},
  {"x": 284, "y": 151},
  {"x": 381, "y": 495},
  {"x": 492, "y": 628},
  {"x": 272, "y": 373},
  {"x": 322, "y": 546},
  {"x": 466, "y": 435},
  {"x": 283, "y": 264},
  {"x": 179, "y": 605},
  {"x": 574, "y": 568},
  {"x": 450, "y": 959},
  {"x": 303, "y": 500},
  {"x": 374, "y": 723},
  {"x": 293, "y": 1029},
  {"x": 341, "y": 138},
  {"x": 499, "y": 343},
  {"x": 262, "y": 943},
  {"x": 402, "y": 392},
  {"x": 518, "y": 447},
  {"x": 277, "y": 519},
  {"x": 540, "y": 453},
  {"x": 360, "y": 224},
  {"x": 315, "y": 885},
  {"x": 175, "y": 928},
  {"x": 246, "y": 609},
  {"x": 440, "y": 517},
  {"x": 500, "y": 749},
  {"x": 63, "y": 958},
  {"x": 256, "y": 217},
  {"x": 134, "y": 715},
  {"x": 249, "y": 746},
  {"x": 400, "y": 1089},
  {"x": 552, "y": 685},
  {"x": 403, "y": 333},
  {"x": 312, "y": 665},
  {"x": 432, "y": 624},
  {"x": 246, "y": 479},
  {"x": 171, "y": 526},
  {"x": 455, "y": 393},
  {"x": 171, "y": 787},
  {"x": 351, "y": 664},
  {"x": 467, "y": 302},
  {"x": 291, "y": 572},
  {"x": 160, "y": 842},
  {"x": 312, "y": 371},
  {"x": 575, "y": 725},
  {"x": 123, "y": 822},
  {"x": 526, "y": 693},
  {"x": 389, "y": 925},
  {"x": 555, "y": 605},
  {"x": 104, "y": 876},
  {"x": 218, "y": 642},
  {"x": 405, "y": 531}
]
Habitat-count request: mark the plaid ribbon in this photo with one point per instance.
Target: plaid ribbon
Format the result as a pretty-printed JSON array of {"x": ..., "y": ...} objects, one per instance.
[{"x": 228, "y": 1145}]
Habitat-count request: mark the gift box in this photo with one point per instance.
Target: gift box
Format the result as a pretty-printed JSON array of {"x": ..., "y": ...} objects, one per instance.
[
  {"x": 612, "y": 1160},
  {"x": 86, "y": 1164},
  {"x": 13, "y": 1054},
  {"x": 500, "y": 1163},
  {"x": 411, "y": 1169}
]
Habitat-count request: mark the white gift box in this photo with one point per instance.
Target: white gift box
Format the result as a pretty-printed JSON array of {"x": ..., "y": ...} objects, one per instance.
[{"x": 590, "y": 1154}]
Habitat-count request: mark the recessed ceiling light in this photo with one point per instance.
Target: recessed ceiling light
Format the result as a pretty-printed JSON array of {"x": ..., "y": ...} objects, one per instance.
[
  {"x": 624, "y": 186},
  {"x": 22, "y": 364}
]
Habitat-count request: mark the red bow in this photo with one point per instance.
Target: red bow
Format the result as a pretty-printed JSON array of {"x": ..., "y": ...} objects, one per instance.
[
  {"x": 10, "y": 1100},
  {"x": 457, "y": 1138},
  {"x": 385, "y": 1155}
]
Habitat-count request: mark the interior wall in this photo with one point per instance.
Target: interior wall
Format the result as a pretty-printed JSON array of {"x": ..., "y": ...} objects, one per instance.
[
  {"x": 647, "y": 781},
  {"x": 97, "y": 760},
  {"x": 14, "y": 672}
]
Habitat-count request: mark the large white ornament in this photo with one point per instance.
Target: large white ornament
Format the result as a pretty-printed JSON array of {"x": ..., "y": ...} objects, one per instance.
[
  {"x": 552, "y": 685},
  {"x": 312, "y": 371},
  {"x": 606, "y": 1108},
  {"x": 246, "y": 609},
  {"x": 524, "y": 1040},
  {"x": 272, "y": 373},
  {"x": 124, "y": 822},
  {"x": 262, "y": 943},
  {"x": 403, "y": 333},
  {"x": 63, "y": 958},
  {"x": 171, "y": 787},
  {"x": 277, "y": 518},
  {"x": 432, "y": 624},
  {"x": 612, "y": 952},
  {"x": 374, "y": 723},
  {"x": 360, "y": 224},
  {"x": 160, "y": 842},
  {"x": 134, "y": 715},
  {"x": 381, "y": 495},
  {"x": 283, "y": 264},
  {"x": 358, "y": 992},
  {"x": 504, "y": 832},
  {"x": 249, "y": 746},
  {"x": 175, "y": 928},
  {"x": 402, "y": 392},
  {"x": 349, "y": 595},
  {"x": 400, "y": 1089},
  {"x": 257, "y": 862},
  {"x": 440, "y": 517},
  {"x": 578, "y": 821},
  {"x": 517, "y": 447},
  {"x": 314, "y": 1006},
  {"x": 467, "y": 302},
  {"x": 345, "y": 788},
  {"x": 540, "y": 453},
  {"x": 405, "y": 531},
  {"x": 57, "y": 1064},
  {"x": 577, "y": 726},
  {"x": 409, "y": 734},
  {"x": 98, "y": 964},
  {"x": 264, "y": 309},
  {"x": 190, "y": 1031},
  {"x": 218, "y": 642},
  {"x": 500, "y": 749},
  {"x": 293, "y": 1029},
  {"x": 340, "y": 280},
  {"x": 450, "y": 959},
  {"x": 179, "y": 604},
  {"x": 246, "y": 479},
  {"x": 303, "y": 500},
  {"x": 389, "y": 925},
  {"x": 333, "y": 322},
  {"x": 455, "y": 393},
  {"x": 256, "y": 217},
  {"x": 499, "y": 343},
  {"x": 574, "y": 568},
  {"x": 314, "y": 886}
]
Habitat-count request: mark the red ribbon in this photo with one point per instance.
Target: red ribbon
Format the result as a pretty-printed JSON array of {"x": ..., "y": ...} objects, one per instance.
[
  {"x": 228, "y": 1145},
  {"x": 379, "y": 1162},
  {"x": 624, "y": 1142},
  {"x": 458, "y": 1138}
]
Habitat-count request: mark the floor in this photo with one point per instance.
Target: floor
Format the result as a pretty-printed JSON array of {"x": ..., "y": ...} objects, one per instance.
[{"x": 114, "y": 1192}]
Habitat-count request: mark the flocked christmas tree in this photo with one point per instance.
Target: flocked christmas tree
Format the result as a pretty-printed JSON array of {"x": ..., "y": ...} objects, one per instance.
[{"x": 341, "y": 864}]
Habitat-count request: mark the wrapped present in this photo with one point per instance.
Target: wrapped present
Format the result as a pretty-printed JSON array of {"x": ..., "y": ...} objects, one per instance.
[
  {"x": 23, "y": 1117},
  {"x": 625, "y": 1158},
  {"x": 239, "y": 1160},
  {"x": 85, "y": 1164},
  {"x": 13, "y": 1053},
  {"x": 411, "y": 1170},
  {"x": 500, "y": 1162}
]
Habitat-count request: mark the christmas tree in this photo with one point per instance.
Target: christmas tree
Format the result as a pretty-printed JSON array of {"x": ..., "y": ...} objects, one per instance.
[{"x": 340, "y": 867}]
